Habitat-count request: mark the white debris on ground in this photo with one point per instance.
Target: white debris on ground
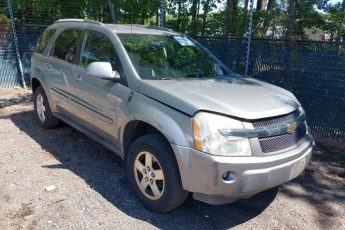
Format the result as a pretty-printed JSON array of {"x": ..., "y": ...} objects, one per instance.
[{"x": 50, "y": 188}]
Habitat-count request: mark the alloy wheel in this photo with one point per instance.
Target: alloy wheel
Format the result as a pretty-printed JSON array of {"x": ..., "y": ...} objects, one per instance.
[
  {"x": 149, "y": 175},
  {"x": 40, "y": 107}
]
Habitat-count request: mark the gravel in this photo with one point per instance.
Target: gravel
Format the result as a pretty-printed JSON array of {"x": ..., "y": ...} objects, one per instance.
[{"x": 91, "y": 189}]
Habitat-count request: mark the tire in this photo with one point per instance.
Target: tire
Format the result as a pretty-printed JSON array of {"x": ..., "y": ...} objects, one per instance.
[
  {"x": 42, "y": 109},
  {"x": 170, "y": 193}
]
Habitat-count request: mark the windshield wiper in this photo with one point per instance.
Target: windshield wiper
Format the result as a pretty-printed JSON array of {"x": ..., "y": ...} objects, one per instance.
[
  {"x": 198, "y": 76},
  {"x": 166, "y": 78}
]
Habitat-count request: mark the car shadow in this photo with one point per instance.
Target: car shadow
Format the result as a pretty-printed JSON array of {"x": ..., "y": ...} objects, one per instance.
[
  {"x": 103, "y": 171},
  {"x": 322, "y": 183},
  {"x": 5, "y": 102}
]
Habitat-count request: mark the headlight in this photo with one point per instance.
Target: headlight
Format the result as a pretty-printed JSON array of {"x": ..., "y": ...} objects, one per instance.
[{"x": 207, "y": 137}]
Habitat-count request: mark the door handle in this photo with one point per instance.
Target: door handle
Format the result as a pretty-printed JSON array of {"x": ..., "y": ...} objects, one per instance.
[
  {"x": 77, "y": 77},
  {"x": 49, "y": 67}
]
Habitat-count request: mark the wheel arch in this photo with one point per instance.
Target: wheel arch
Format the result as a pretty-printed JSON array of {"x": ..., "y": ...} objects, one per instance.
[
  {"x": 35, "y": 83},
  {"x": 138, "y": 128}
]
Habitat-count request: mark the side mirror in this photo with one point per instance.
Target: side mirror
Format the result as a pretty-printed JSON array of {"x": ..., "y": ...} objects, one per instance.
[{"x": 102, "y": 70}]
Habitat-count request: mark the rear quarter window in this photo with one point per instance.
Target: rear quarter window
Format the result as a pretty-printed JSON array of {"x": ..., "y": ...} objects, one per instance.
[{"x": 44, "y": 40}]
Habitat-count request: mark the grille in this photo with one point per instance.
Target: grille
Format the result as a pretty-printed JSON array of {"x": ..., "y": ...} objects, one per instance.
[
  {"x": 276, "y": 120},
  {"x": 276, "y": 143}
]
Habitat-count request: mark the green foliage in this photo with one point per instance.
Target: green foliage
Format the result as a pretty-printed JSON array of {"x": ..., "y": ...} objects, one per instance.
[
  {"x": 196, "y": 17},
  {"x": 4, "y": 23},
  {"x": 335, "y": 21}
]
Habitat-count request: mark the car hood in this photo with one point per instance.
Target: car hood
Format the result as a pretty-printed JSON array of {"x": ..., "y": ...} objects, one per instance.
[{"x": 244, "y": 98}]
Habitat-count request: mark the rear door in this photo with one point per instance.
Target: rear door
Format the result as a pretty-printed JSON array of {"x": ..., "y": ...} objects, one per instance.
[
  {"x": 40, "y": 61},
  {"x": 59, "y": 69},
  {"x": 97, "y": 98}
]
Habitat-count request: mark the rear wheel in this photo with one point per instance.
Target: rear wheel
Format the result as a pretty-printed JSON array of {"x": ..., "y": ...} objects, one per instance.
[
  {"x": 43, "y": 111},
  {"x": 153, "y": 174}
]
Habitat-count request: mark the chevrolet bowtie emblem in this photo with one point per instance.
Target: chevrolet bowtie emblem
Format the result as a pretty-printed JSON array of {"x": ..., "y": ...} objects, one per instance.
[{"x": 291, "y": 128}]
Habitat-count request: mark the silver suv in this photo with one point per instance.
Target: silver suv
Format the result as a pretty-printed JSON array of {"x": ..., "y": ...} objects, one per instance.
[{"x": 181, "y": 120}]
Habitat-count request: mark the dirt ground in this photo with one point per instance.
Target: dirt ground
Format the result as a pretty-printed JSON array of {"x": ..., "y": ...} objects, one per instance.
[{"x": 92, "y": 191}]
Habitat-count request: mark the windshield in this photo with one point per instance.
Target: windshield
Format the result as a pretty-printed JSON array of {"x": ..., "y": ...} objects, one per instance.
[{"x": 169, "y": 57}]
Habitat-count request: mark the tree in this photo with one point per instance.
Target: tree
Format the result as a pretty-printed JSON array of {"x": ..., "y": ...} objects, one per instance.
[
  {"x": 229, "y": 16},
  {"x": 335, "y": 21},
  {"x": 4, "y": 25},
  {"x": 178, "y": 21},
  {"x": 206, "y": 9},
  {"x": 244, "y": 18},
  {"x": 194, "y": 12},
  {"x": 260, "y": 5},
  {"x": 179, "y": 10},
  {"x": 343, "y": 24},
  {"x": 292, "y": 18},
  {"x": 194, "y": 17},
  {"x": 268, "y": 15}
]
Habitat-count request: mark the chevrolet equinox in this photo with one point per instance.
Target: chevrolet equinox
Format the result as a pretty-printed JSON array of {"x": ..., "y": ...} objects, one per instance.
[{"x": 180, "y": 119}]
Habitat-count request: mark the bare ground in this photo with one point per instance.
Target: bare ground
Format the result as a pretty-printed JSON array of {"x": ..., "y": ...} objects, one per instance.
[{"x": 92, "y": 190}]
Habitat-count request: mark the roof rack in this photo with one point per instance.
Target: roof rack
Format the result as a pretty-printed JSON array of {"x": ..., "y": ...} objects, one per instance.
[
  {"x": 151, "y": 27},
  {"x": 78, "y": 20},
  {"x": 158, "y": 28}
]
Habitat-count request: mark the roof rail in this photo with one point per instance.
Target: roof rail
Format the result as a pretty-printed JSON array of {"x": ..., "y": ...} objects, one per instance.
[
  {"x": 78, "y": 20},
  {"x": 158, "y": 28},
  {"x": 151, "y": 27}
]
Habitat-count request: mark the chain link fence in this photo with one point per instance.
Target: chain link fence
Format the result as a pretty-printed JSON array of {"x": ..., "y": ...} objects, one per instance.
[
  {"x": 8, "y": 68},
  {"x": 296, "y": 44},
  {"x": 300, "y": 46}
]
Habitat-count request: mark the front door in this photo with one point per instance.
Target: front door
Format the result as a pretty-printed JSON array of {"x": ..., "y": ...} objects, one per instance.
[{"x": 97, "y": 99}]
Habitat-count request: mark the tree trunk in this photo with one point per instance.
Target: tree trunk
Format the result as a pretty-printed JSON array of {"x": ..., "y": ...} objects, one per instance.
[
  {"x": 292, "y": 19},
  {"x": 245, "y": 18},
  {"x": 260, "y": 5},
  {"x": 342, "y": 26},
  {"x": 193, "y": 12},
  {"x": 112, "y": 11},
  {"x": 246, "y": 3},
  {"x": 206, "y": 8},
  {"x": 198, "y": 11},
  {"x": 234, "y": 4},
  {"x": 142, "y": 18},
  {"x": 229, "y": 10},
  {"x": 179, "y": 5},
  {"x": 25, "y": 12},
  {"x": 270, "y": 6},
  {"x": 157, "y": 17}
]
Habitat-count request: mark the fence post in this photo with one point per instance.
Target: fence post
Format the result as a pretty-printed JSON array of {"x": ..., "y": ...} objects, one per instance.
[
  {"x": 15, "y": 41},
  {"x": 249, "y": 36},
  {"x": 112, "y": 11}
]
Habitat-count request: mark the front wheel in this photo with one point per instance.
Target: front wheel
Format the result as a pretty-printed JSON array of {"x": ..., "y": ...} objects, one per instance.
[{"x": 153, "y": 174}]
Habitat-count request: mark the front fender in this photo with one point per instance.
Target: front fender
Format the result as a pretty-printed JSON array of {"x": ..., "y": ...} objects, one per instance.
[{"x": 173, "y": 124}]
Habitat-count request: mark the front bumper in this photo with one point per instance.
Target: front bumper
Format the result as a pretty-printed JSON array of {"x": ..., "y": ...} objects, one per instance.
[{"x": 202, "y": 173}]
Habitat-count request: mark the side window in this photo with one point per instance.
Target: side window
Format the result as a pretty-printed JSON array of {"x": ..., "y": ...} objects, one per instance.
[
  {"x": 44, "y": 39},
  {"x": 97, "y": 47},
  {"x": 66, "y": 45}
]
